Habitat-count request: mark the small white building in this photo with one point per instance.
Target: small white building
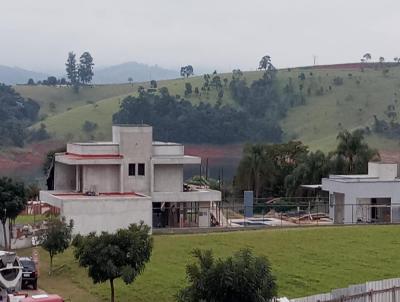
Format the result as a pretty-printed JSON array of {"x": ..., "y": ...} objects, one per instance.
[
  {"x": 369, "y": 198},
  {"x": 104, "y": 186}
]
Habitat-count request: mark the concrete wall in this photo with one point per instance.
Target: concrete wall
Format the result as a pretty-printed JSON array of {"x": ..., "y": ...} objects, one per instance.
[
  {"x": 364, "y": 189},
  {"x": 106, "y": 214},
  {"x": 135, "y": 147},
  {"x": 383, "y": 171},
  {"x": 168, "y": 178},
  {"x": 64, "y": 177},
  {"x": 93, "y": 148},
  {"x": 104, "y": 178},
  {"x": 167, "y": 149}
]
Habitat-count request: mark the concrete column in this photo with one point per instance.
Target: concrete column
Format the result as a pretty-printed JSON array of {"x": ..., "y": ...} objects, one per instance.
[
  {"x": 121, "y": 178},
  {"x": 151, "y": 177},
  {"x": 181, "y": 215},
  {"x": 77, "y": 178}
]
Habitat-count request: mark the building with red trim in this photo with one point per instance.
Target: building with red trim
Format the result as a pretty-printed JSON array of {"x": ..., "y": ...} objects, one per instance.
[{"x": 104, "y": 186}]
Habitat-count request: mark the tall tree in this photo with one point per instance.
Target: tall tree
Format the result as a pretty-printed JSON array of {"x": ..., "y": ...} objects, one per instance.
[
  {"x": 112, "y": 256},
  {"x": 130, "y": 80},
  {"x": 56, "y": 237},
  {"x": 265, "y": 63},
  {"x": 72, "y": 69},
  {"x": 241, "y": 278},
  {"x": 254, "y": 168},
  {"x": 186, "y": 71},
  {"x": 153, "y": 84},
  {"x": 12, "y": 202},
  {"x": 85, "y": 70},
  {"x": 367, "y": 57},
  {"x": 353, "y": 150}
]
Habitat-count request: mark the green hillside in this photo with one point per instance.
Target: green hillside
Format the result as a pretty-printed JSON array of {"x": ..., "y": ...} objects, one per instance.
[{"x": 329, "y": 107}]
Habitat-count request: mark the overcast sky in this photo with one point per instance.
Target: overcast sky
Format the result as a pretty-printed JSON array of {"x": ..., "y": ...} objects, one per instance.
[{"x": 221, "y": 34}]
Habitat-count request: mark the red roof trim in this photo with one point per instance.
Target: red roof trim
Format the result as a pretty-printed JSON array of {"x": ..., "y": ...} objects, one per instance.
[
  {"x": 94, "y": 156},
  {"x": 100, "y": 194}
]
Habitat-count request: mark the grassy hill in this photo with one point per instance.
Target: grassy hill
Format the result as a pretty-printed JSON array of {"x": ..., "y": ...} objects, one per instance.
[{"x": 329, "y": 108}]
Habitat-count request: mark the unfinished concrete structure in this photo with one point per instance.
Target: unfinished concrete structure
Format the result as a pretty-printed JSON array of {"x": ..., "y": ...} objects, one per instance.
[
  {"x": 369, "y": 198},
  {"x": 108, "y": 185}
]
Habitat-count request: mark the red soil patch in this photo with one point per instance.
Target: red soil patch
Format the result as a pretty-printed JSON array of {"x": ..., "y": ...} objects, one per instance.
[
  {"x": 215, "y": 153},
  {"x": 390, "y": 156},
  {"x": 21, "y": 161}
]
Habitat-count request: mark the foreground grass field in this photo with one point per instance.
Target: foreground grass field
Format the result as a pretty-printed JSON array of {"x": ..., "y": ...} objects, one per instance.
[{"x": 305, "y": 261}]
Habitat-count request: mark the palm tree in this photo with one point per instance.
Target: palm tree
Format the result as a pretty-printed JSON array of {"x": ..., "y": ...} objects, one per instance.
[
  {"x": 254, "y": 168},
  {"x": 354, "y": 150}
]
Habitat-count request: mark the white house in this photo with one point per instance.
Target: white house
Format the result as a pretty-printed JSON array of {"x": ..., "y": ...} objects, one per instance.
[
  {"x": 369, "y": 198},
  {"x": 108, "y": 185}
]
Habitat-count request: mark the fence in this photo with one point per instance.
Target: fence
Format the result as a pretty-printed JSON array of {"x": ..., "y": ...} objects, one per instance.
[
  {"x": 267, "y": 213},
  {"x": 387, "y": 290}
]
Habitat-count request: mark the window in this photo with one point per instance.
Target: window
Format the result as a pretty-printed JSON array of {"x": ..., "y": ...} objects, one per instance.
[
  {"x": 140, "y": 169},
  {"x": 132, "y": 169}
]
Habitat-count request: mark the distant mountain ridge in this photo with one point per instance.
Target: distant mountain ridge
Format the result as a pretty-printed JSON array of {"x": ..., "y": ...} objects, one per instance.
[
  {"x": 115, "y": 74},
  {"x": 16, "y": 75},
  {"x": 120, "y": 73}
]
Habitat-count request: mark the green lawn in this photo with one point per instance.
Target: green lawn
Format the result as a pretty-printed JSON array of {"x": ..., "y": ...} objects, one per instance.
[
  {"x": 305, "y": 261},
  {"x": 29, "y": 219}
]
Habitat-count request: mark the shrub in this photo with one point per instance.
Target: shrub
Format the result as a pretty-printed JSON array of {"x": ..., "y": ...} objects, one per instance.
[{"x": 241, "y": 278}]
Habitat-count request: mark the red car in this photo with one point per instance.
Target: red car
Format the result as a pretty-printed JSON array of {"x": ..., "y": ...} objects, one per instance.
[{"x": 43, "y": 298}]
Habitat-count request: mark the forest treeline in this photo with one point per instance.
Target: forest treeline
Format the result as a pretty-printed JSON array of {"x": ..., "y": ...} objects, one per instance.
[
  {"x": 254, "y": 117},
  {"x": 16, "y": 114}
]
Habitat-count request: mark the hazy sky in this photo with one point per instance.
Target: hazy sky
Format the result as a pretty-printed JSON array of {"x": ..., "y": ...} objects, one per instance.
[{"x": 224, "y": 34}]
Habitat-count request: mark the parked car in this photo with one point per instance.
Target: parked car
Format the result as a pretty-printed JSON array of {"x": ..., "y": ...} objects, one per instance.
[
  {"x": 43, "y": 298},
  {"x": 29, "y": 272}
]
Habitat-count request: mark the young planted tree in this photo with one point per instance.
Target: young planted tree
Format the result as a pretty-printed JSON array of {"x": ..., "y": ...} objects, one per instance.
[
  {"x": 112, "y": 256},
  {"x": 241, "y": 278},
  {"x": 12, "y": 202},
  {"x": 56, "y": 238}
]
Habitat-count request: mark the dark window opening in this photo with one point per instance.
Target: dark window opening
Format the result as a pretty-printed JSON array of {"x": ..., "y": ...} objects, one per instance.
[
  {"x": 132, "y": 169},
  {"x": 141, "y": 169}
]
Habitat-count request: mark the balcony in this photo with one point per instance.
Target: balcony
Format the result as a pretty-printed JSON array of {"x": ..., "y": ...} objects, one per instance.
[
  {"x": 189, "y": 196},
  {"x": 57, "y": 198},
  {"x": 99, "y": 148}
]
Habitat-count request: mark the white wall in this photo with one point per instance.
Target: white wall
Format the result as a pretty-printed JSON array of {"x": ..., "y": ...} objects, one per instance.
[
  {"x": 106, "y": 214},
  {"x": 363, "y": 189},
  {"x": 168, "y": 178},
  {"x": 382, "y": 170},
  {"x": 93, "y": 148},
  {"x": 105, "y": 178},
  {"x": 64, "y": 177},
  {"x": 135, "y": 147}
]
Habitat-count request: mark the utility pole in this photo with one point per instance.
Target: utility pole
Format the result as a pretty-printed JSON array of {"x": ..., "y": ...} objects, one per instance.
[{"x": 315, "y": 59}]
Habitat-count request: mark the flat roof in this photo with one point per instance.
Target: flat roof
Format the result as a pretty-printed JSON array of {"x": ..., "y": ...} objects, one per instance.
[
  {"x": 312, "y": 186},
  {"x": 158, "y": 143},
  {"x": 361, "y": 179},
  {"x": 94, "y": 143},
  {"x": 77, "y": 195},
  {"x": 132, "y": 125}
]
